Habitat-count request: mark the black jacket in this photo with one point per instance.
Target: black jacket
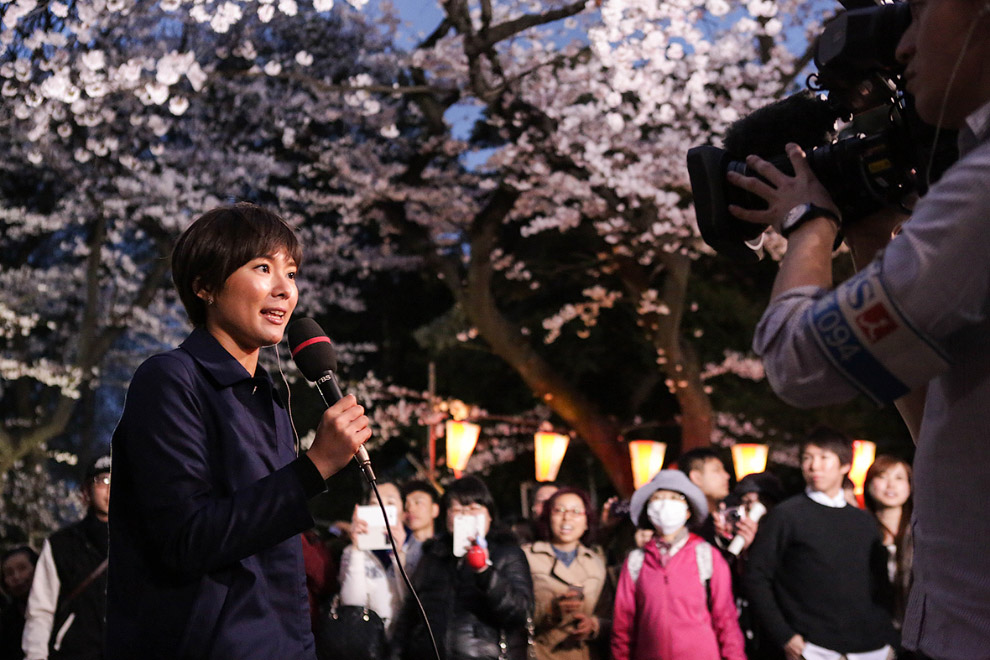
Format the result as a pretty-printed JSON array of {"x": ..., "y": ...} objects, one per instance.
[
  {"x": 77, "y": 551},
  {"x": 206, "y": 511},
  {"x": 469, "y": 612}
]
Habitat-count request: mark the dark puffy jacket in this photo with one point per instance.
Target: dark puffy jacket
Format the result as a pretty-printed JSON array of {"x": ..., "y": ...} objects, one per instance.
[
  {"x": 470, "y": 613},
  {"x": 77, "y": 550}
]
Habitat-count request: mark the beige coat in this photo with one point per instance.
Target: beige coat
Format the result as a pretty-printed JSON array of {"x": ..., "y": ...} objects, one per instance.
[{"x": 551, "y": 579}]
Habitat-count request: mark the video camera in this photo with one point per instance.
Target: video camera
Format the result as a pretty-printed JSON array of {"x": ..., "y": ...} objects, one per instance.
[{"x": 876, "y": 161}]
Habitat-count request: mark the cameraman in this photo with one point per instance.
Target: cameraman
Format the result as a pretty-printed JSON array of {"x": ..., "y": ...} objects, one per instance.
[{"x": 913, "y": 325}]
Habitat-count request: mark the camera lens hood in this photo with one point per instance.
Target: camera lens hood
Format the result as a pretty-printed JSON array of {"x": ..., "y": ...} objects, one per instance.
[{"x": 725, "y": 233}]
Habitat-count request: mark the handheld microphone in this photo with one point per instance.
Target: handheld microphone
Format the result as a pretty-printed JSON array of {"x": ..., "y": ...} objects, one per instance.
[{"x": 317, "y": 360}]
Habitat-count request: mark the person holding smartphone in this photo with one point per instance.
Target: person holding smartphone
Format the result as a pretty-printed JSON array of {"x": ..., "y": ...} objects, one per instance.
[
  {"x": 572, "y": 610},
  {"x": 477, "y": 593},
  {"x": 370, "y": 578}
]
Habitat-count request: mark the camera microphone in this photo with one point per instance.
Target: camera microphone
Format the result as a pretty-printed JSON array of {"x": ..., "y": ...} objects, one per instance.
[{"x": 316, "y": 358}]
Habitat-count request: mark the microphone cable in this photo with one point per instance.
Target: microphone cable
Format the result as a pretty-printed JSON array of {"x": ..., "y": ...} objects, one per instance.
[
  {"x": 402, "y": 570},
  {"x": 381, "y": 505}
]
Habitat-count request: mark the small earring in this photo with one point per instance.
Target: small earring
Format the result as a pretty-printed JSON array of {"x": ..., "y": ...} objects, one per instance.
[{"x": 209, "y": 300}]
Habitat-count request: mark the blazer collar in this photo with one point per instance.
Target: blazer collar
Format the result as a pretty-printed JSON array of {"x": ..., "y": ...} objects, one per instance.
[{"x": 214, "y": 358}]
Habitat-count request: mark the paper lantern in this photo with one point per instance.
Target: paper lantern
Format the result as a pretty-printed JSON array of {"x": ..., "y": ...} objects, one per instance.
[
  {"x": 749, "y": 458},
  {"x": 461, "y": 439},
  {"x": 550, "y": 450},
  {"x": 647, "y": 459},
  {"x": 864, "y": 453}
]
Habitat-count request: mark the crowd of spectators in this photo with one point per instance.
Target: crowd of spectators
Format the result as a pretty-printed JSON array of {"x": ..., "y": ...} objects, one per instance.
[{"x": 691, "y": 571}]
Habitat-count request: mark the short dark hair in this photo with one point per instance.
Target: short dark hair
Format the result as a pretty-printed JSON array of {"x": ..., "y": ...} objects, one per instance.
[
  {"x": 543, "y": 529},
  {"x": 696, "y": 458},
  {"x": 419, "y": 486},
  {"x": 27, "y": 550},
  {"x": 219, "y": 242},
  {"x": 467, "y": 491},
  {"x": 825, "y": 437}
]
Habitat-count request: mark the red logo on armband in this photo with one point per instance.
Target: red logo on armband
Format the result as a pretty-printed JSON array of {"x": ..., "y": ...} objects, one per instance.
[{"x": 876, "y": 322}]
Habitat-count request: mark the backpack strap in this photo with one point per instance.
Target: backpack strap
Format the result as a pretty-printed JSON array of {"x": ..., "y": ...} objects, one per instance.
[
  {"x": 703, "y": 554},
  {"x": 635, "y": 563}
]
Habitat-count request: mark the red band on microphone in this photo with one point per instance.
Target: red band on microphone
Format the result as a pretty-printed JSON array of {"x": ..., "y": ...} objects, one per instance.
[{"x": 309, "y": 342}]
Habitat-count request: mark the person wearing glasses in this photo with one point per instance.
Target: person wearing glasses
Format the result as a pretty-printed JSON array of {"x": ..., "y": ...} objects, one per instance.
[
  {"x": 64, "y": 615},
  {"x": 569, "y": 579},
  {"x": 674, "y": 599}
]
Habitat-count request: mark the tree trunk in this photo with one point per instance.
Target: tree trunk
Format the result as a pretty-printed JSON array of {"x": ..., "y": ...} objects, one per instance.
[{"x": 508, "y": 342}]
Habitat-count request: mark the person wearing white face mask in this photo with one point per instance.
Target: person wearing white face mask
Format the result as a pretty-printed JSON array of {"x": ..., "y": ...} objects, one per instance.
[{"x": 674, "y": 598}]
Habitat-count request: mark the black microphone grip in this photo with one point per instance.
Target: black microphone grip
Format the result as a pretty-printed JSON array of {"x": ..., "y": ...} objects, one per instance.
[{"x": 330, "y": 391}]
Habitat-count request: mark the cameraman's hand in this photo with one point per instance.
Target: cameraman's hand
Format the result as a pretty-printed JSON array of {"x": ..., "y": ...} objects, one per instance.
[{"x": 781, "y": 192}]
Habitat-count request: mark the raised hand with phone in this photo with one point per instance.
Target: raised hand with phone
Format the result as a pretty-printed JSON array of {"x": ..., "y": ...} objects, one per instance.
[{"x": 473, "y": 582}]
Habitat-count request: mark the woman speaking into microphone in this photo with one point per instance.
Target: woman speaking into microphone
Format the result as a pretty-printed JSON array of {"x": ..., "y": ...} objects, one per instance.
[{"x": 209, "y": 497}]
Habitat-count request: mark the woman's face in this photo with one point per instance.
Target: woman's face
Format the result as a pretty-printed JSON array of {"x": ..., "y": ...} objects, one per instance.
[
  {"x": 892, "y": 487},
  {"x": 568, "y": 519},
  {"x": 18, "y": 572},
  {"x": 390, "y": 496},
  {"x": 254, "y": 305}
]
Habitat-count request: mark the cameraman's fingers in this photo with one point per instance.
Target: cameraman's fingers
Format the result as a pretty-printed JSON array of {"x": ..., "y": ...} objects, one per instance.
[
  {"x": 768, "y": 171},
  {"x": 752, "y": 184},
  {"x": 799, "y": 160},
  {"x": 764, "y": 217}
]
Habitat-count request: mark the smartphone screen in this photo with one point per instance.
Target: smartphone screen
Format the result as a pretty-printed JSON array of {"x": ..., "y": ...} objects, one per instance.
[
  {"x": 467, "y": 527},
  {"x": 377, "y": 536}
]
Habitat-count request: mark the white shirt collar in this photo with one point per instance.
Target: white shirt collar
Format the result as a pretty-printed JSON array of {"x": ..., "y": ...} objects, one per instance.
[
  {"x": 679, "y": 541},
  {"x": 977, "y": 128},
  {"x": 836, "y": 502}
]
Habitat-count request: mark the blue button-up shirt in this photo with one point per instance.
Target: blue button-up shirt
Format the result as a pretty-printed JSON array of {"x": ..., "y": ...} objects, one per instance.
[
  {"x": 207, "y": 505},
  {"x": 919, "y": 314}
]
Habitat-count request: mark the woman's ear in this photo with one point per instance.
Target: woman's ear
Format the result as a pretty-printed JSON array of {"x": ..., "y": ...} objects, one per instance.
[{"x": 202, "y": 293}]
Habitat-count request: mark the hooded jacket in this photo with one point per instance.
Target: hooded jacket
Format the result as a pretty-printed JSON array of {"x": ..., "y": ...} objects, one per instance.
[{"x": 663, "y": 615}]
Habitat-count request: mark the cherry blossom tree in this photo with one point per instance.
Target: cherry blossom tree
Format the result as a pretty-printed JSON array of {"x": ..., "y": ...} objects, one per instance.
[
  {"x": 588, "y": 139},
  {"x": 115, "y": 139},
  {"x": 562, "y": 225}
]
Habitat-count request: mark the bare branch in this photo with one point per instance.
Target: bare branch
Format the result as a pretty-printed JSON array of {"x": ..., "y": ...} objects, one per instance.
[{"x": 511, "y": 28}]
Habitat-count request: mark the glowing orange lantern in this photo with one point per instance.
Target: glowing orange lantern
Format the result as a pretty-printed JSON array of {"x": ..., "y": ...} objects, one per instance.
[
  {"x": 749, "y": 458},
  {"x": 461, "y": 439},
  {"x": 647, "y": 459},
  {"x": 864, "y": 453},
  {"x": 550, "y": 450}
]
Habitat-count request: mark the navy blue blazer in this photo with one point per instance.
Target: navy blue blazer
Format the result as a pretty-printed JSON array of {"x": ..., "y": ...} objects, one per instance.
[{"x": 207, "y": 504}]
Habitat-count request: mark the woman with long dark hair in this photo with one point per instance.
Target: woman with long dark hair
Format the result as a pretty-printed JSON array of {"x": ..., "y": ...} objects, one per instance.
[
  {"x": 887, "y": 495},
  {"x": 478, "y": 598}
]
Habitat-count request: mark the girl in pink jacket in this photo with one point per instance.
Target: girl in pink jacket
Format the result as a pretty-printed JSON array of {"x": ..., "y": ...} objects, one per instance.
[{"x": 674, "y": 598}]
